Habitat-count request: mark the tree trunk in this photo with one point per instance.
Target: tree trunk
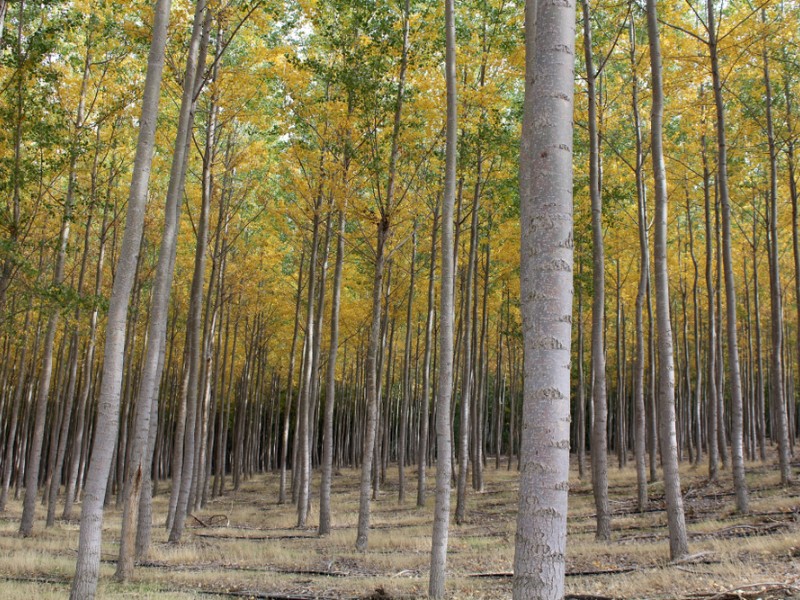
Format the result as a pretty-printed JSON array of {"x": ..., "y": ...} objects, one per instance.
[
  {"x": 711, "y": 348},
  {"x": 599, "y": 399},
  {"x": 422, "y": 445},
  {"x": 330, "y": 387},
  {"x": 441, "y": 514},
  {"x": 640, "y": 434},
  {"x": 384, "y": 232},
  {"x": 304, "y": 399},
  {"x": 777, "y": 398},
  {"x": 195, "y": 63},
  {"x": 402, "y": 434},
  {"x": 678, "y": 544},
  {"x": 468, "y": 367},
  {"x": 546, "y": 271},
  {"x": 290, "y": 383},
  {"x": 737, "y": 457},
  {"x": 84, "y": 584}
]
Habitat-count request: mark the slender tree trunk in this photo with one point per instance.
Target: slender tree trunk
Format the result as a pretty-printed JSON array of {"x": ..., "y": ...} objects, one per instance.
[
  {"x": 640, "y": 434},
  {"x": 402, "y": 434},
  {"x": 372, "y": 390},
  {"x": 698, "y": 389},
  {"x": 290, "y": 384},
  {"x": 737, "y": 457},
  {"x": 468, "y": 367},
  {"x": 330, "y": 387},
  {"x": 599, "y": 399},
  {"x": 194, "y": 70},
  {"x": 384, "y": 232},
  {"x": 84, "y": 584},
  {"x": 777, "y": 398},
  {"x": 790, "y": 146},
  {"x": 422, "y": 445},
  {"x": 581, "y": 408},
  {"x": 304, "y": 399},
  {"x": 678, "y": 544},
  {"x": 441, "y": 515},
  {"x": 711, "y": 348}
]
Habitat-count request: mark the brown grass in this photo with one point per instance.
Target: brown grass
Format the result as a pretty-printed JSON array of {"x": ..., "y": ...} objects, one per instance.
[{"x": 260, "y": 551}]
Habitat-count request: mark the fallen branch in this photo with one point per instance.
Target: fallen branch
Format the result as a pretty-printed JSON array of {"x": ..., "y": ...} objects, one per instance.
[
  {"x": 509, "y": 574},
  {"x": 757, "y": 588}
]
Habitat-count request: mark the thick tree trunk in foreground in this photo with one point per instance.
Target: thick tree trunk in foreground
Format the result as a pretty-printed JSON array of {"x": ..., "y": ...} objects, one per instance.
[{"x": 546, "y": 299}]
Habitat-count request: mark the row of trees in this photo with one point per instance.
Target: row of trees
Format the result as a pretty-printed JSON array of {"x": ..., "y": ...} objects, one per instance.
[{"x": 310, "y": 241}]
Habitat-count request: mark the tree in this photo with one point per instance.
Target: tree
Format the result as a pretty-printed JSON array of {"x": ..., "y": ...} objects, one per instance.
[
  {"x": 599, "y": 392},
  {"x": 84, "y": 584},
  {"x": 441, "y": 514},
  {"x": 546, "y": 270},
  {"x": 737, "y": 452},
  {"x": 678, "y": 544}
]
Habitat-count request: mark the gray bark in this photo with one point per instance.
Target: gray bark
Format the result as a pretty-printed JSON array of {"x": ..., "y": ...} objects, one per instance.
[
  {"x": 195, "y": 62},
  {"x": 546, "y": 284},
  {"x": 384, "y": 232},
  {"x": 599, "y": 392},
  {"x": 422, "y": 445},
  {"x": 441, "y": 514},
  {"x": 678, "y": 544},
  {"x": 737, "y": 453},
  {"x": 777, "y": 398},
  {"x": 640, "y": 433},
  {"x": 403, "y": 433},
  {"x": 711, "y": 349},
  {"x": 84, "y": 584},
  {"x": 330, "y": 388}
]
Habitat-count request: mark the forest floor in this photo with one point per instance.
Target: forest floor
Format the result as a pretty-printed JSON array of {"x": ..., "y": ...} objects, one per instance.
[{"x": 245, "y": 545}]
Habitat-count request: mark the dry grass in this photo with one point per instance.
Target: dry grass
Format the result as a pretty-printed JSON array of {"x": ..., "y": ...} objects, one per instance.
[{"x": 260, "y": 551}]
